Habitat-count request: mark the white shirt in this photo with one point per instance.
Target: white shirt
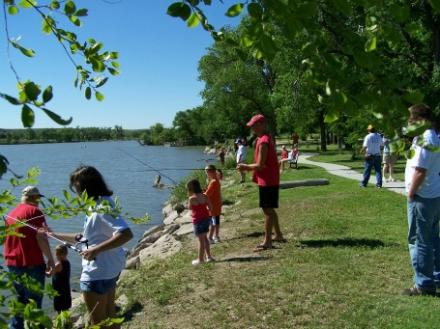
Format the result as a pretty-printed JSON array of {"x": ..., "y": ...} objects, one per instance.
[
  {"x": 430, "y": 161},
  {"x": 108, "y": 264},
  {"x": 241, "y": 153},
  {"x": 372, "y": 143}
]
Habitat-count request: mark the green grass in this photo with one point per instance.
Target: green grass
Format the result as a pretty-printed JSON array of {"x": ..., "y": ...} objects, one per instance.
[
  {"x": 345, "y": 159},
  {"x": 344, "y": 266}
]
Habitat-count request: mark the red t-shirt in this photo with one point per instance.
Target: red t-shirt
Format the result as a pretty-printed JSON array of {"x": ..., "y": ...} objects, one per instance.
[
  {"x": 269, "y": 175},
  {"x": 24, "y": 251},
  {"x": 284, "y": 154}
]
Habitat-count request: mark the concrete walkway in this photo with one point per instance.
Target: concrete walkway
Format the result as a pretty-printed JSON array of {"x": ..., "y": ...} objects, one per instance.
[{"x": 347, "y": 172}]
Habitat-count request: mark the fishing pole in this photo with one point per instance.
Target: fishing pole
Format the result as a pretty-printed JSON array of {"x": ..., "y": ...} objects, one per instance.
[
  {"x": 149, "y": 166},
  {"x": 68, "y": 245},
  {"x": 187, "y": 169}
]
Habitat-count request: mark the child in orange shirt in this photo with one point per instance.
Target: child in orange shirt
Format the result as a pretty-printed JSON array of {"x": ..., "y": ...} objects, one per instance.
[{"x": 213, "y": 192}]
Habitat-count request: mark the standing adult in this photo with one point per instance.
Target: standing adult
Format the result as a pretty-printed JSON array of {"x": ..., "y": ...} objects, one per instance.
[
  {"x": 295, "y": 138},
  {"x": 266, "y": 174},
  {"x": 371, "y": 149},
  {"x": 422, "y": 183},
  {"x": 24, "y": 253},
  {"x": 241, "y": 158},
  {"x": 104, "y": 260}
]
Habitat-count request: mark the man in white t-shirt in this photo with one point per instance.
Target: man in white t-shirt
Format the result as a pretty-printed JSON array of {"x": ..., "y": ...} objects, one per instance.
[
  {"x": 422, "y": 181},
  {"x": 371, "y": 148}
]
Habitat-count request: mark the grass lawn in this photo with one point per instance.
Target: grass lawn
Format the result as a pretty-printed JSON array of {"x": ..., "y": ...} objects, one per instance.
[
  {"x": 345, "y": 159},
  {"x": 344, "y": 266}
]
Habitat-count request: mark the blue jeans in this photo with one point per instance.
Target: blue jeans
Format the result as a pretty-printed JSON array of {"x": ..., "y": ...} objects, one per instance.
[
  {"x": 23, "y": 295},
  {"x": 376, "y": 163},
  {"x": 424, "y": 241}
]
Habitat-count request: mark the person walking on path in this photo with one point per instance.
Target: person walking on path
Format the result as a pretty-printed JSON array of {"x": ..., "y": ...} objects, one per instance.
[
  {"x": 422, "y": 183},
  {"x": 371, "y": 148},
  {"x": 104, "y": 259},
  {"x": 266, "y": 174},
  {"x": 389, "y": 160},
  {"x": 241, "y": 158},
  {"x": 24, "y": 254}
]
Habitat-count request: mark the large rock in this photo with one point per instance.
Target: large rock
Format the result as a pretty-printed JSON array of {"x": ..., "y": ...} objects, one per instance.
[
  {"x": 171, "y": 228},
  {"x": 184, "y": 219},
  {"x": 170, "y": 218},
  {"x": 184, "y": 230},
  {"x": 132, "y": 263},
  {"x": 153, "y": 230},
  {"x": 167, "y": 209},
  {"x": 135, "y": 251},
  {"x": 166, "y": 246}
]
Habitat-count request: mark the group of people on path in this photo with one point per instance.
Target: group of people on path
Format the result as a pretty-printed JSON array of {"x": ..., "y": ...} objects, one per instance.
[{"x": 29, "y": 252}]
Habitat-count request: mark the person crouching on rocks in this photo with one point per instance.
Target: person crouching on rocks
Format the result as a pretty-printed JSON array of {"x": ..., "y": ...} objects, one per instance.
[{"x": 200, "y": 206}]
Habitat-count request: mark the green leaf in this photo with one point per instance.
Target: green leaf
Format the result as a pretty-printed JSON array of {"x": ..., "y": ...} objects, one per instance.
[
  {"x": 12, "y": 10},
  {"x": 255, "y": 10},
  {"x": 113, "y": 71},
  {"x": 55, "y": 117},
  {"x": 24, "y": 51},
  {"x": 69, "y": 8},
  {"x": 47, "y": 94},
  {"x": 331, "y": 117},
  {"x": 100, "y": 82},
  {"x": 75, "y": 20},
  {"x": 31, "y": 90},
  {"x": 27, "y": 116},
  {"x": 55, "y": 5},
  {"x": 413, "y": 96},
  {"x": 88, "y": 92},
  {"x": 234, "y": 10},
  {"x": 179, "y": 9},
  {"x": 99, "y": 96},
  {"x": 370, "y": 45},
  {"x": 10, "y": 99},
  {"x": 115, "y": 65},
  {"x": 193, "y": 20},
  {"x": 97, "y": 65},
  {"x": 207, "y": 2},
  {"x": 82, "y": 12},
  {"x": 46, "y": 26},
  {"x": 328, "y": 90},
  {"x": 416, "y": 129},
  {"x": 27, "y": 3}
]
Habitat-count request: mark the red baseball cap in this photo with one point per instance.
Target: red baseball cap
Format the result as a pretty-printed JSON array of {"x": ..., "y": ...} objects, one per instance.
[{"x": 258, "y": 118}]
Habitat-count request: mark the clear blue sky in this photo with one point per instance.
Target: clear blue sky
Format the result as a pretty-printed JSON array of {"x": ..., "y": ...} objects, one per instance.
[{"x": 158, "y": 56}]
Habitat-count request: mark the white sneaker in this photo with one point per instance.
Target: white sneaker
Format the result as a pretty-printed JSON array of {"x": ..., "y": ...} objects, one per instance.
[
  {"x": 217, "y": 240},
  {"x": 196, "y": 262},
  {"x": 212, "y": 241},
  {"x": 210, "y": 259}
]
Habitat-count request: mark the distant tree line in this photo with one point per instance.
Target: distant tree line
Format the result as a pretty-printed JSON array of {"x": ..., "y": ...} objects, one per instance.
[{"x": 65, "y": 135}]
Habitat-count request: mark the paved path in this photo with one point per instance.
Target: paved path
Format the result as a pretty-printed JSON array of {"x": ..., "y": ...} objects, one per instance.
[{"x": 347, "y": 172}]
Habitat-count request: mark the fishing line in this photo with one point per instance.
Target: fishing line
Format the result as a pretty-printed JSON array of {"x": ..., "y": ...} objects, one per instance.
[
  {"x": 148, "y": 165},
  {"x": 68, "y": 245}
]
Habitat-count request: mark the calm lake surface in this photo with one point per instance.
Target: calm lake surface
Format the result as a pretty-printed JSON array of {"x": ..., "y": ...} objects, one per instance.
[{"x": 130, "y": 180}]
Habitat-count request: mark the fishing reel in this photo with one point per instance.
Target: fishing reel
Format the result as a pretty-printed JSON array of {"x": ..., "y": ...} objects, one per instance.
[{"x": 80, "y": 240}]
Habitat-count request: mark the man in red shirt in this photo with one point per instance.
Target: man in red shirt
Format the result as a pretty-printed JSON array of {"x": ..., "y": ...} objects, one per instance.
[
  {"x": 266, "y": 174},
  {"x": 23, "y": 253}
]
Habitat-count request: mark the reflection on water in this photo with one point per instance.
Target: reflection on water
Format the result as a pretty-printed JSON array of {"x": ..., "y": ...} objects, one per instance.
[{"x": 130, "y": 179}]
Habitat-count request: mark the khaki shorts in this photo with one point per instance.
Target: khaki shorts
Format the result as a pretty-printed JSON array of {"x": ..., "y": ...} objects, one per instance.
[{"x": 389, "y": 159}]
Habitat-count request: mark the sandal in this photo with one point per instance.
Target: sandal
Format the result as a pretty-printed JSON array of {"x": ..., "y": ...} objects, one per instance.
[{"x": 262, "y": 247}]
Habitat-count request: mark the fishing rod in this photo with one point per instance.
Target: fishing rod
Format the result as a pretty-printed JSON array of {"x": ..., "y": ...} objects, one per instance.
[
  {"x": 68, "y": 245},
  {"x": 187, "y": 169},
  {"x": 149, "y": 166}
]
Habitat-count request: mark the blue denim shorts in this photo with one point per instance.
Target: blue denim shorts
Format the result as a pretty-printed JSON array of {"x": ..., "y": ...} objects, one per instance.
[
  {"x": 202, "y": 227},
  {"x": 100, "y": 287}
]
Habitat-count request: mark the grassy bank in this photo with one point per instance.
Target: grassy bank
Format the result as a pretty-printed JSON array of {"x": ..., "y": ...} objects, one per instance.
[{"x": 344, "y": 266}]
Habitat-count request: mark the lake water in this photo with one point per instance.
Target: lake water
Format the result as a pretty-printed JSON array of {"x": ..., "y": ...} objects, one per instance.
[{"x": 130, "y": 180}]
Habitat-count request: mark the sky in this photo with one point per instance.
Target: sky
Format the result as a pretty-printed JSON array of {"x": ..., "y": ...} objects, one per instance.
[{"x": 158, "y": 55}]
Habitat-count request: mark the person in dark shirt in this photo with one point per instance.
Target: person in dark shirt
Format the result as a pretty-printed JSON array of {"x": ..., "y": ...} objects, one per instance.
[{"x": 61, "y": 280}]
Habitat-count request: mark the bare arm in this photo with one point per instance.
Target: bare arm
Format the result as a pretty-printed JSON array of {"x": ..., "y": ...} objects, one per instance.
[
  {"x": 68, "y": 237},
  {"x": 115, "y": 241},
  {"x": 417, "y": 180},
  {"x": 45, "y": 249}
]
